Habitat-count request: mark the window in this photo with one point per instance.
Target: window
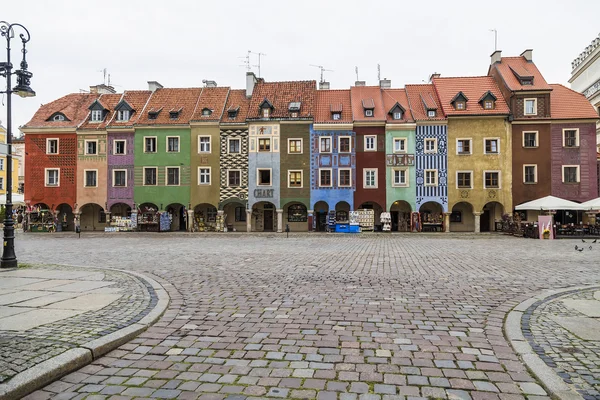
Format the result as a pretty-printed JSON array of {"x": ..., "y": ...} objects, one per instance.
[
  {"x": 336, "y": 116},
  {"x": 463, "y": 146},
  {"x": 174, "y": 114},
  {"x": 123, "y": 115},
  {"x": 491, "y": 180},
  {"x": 240, "y": 214},
  {"x": 530, "y": 139},
  {"x": 344, "y": 144},
  {"x": 294, "y": 146},
  {"x": 325, "y": 144},
  {"x": 264, "y": 144},
  {"x": 150, "y": 145},
  {"x": 203, "y": 144},
  {"x": 370, "y": 178},
  {"x": 52, "y": 177},
  {"x": 431, "y": 113},
  {"x": 173, "y": 144},
  {"x": 204, "y": 176},
  {"x": 206, "y": 112},
  {"x": 58, "y": 117},
  {"x": 488, "y": 104},
  {"x": 266, "y": 112},
  {"x": 570, "y": 137},
  {"x": 172, "y": 176},
  {"x": 464, "y": 180},
  {"x": 430, "y": 145},
  {"x": 370, "y": 143},
  {"x": 397, "y": 115},
  {"x": 1, "y": 183},
  {"x": 294, "y": 179},
  {"x": 51, "y": 146},
  {"x": 344, "y": 177},
  {"x": 231, "y": 114},
  {"x": 119, "y": 147},
  {"x": 400, "y": 177},
  {"x": 234, "y": 145},
  {"x": 431, "y": 176},
  {"x": 150, "y": 176},
  {"x": 368, "y": 113},
  {"x": 91, "y": 178},
  {"x": 119, "y": 178},
  {"x": 91, "y": 147},
  {"x": 96, "y": 115},
  {"x": 264, "y": 177},
  {"x": 570, "y": 173},
  {"x": 460, "y": 105},
  {"x": 153, "y": 114},
  {"x": 399, "y": 145},
  {"x": 325, "y": 177},
  {"x": 530, "y": 106},
  {"x": 491, "y": 146},
  {"x": 1, "y": 164},
  {"x": 297, "y": 213},
  {"x": 530, "y": 173},
  {"x": 234, "y": 178}
]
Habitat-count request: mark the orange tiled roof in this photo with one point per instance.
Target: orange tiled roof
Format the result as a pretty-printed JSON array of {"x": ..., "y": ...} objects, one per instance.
[
  {"x": 367, "y": 93},
  {"x": 137, "y": 99},
  {"x": 109, "y": 102},
  {"x": 280, "y": 95},
  {"x": 390, "y": 98},
  {"x": 329, "y": 101},
  {"x": 569, "y": 104},
  {"x": 214, "y": 99},
  {"x": 74, "y": 106},
  {"x": 509, "y": 66},
  {"x": 473, "y": 88},
  {"x": 236, "y": 100},
  {"x": 183, "y": 100},
  {"x": 421, "y": 98}
]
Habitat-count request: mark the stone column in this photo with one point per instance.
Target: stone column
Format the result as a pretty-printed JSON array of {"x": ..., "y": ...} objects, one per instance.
[
  {"x": 447, "y": 222},
  {"x": 190, "y": 219},
  {"x": 477, "y": 221},
  {"x": 311, "y": 216},
  {"x": 248, "y": 221},
  {"x": 279, "y": 221}
]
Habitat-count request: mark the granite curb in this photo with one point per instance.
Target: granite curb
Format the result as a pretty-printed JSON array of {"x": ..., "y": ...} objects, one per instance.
[
  {"x": 514, "y": 333},
  {"x": 48, "y": 371}
]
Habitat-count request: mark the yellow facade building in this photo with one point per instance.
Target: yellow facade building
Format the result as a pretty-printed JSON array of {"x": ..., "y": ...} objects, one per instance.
[{"x": 15, "y": 168}]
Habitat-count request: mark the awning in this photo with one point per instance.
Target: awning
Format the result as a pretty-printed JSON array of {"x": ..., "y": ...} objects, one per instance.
[
  {"x": 593, "y": 204},
  {"x": 550, "y": 203},
  {"x": 17, "y": 199}
]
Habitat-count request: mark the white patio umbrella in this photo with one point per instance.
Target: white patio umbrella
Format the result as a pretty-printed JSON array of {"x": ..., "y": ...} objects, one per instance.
[
  {"x": 17, "y": 199},
  {"x": 593, "y": 204},
  {"x": 550, "y": 203}
]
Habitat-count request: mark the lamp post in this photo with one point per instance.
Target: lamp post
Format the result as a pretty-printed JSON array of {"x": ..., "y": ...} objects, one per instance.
[{"x": 9, "y": 258}]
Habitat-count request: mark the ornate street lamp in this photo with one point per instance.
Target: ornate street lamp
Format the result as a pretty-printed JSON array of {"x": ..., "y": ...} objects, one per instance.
[{"x": 9, "y": 258}]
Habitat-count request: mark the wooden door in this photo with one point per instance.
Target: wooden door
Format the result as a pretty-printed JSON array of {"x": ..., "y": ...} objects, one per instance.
[{"x": 268, "y": 220}]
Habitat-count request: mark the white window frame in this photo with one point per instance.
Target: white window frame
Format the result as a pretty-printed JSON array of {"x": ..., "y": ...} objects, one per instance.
[
  {"x": 397, "y": 115},
  {"x": 321, "y": 139},
  {"x": 499, "y": 179},
  {"x": 209, "y": 176},
  {"x": 435, "y": 145},
  {"x": 431, "y": 113},
  {"x": 340, "y": 144},
  {"x": 339, "y": 176},
  {"x": 367, "y": 137},
  {"x": 578, "y": 174},
  {"x": 48, "y": 145},
  {"x": 115, "y": 147},
  {"x": 301, "y": 179},
  {"x": 85, "y": 185},
  {"x": 227, "y": 177},
  {"x": 406, "y": 177},
  {"x": 365, "y": 170},
  {"x": 336, "y": 116},
  {"x": 535, "y": 174},
  {"x": 330, "y": 177},
  {"x": 200, "y": 151},
  {"x": 114, "y": 174},
  {"x": 537, "y": 139},
  {"x": 435, "y": 182},
  {"x": 123, "y": 115},
  {"x": 576, "y": 137},
  {"x": 1, "y": 164},
  {"x": 271, "y": 144},
  {"x": 464, "y": 172},
  {"x": 94, "y": 114},
  {"x": 369, "y": 112},
  {"x": 57, "y": 177},
  {"x": 85, "y": 147},
  {"x": 535, "y": 108},
  {"x": 178, "y": 144},
  {"x": 167, "y": 175},
  {"x": 258, "y": 176},
  {"x": 399, "y": 140},
  {"x": 470, "y": 147},
  {"x": 155, "y": 144},
  {"x": 497, "y": 145},
  {"x": 229, "y": 140},
  {"x": 144, "y": 176},
  {"x": 301, "y": 146}
]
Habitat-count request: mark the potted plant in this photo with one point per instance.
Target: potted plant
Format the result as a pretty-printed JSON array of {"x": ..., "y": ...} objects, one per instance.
[{"x": 546, "y": 233}]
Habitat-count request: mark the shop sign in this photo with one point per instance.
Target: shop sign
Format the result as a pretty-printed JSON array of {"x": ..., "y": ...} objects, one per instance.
[{"x": 263, "y": 193}]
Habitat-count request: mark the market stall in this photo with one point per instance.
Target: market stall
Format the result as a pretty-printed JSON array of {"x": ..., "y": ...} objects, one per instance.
[{"x": 148, "y": 218}]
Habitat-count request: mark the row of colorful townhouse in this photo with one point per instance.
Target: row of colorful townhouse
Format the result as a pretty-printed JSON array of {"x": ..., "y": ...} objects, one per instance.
[{"x": 460, "y": 151}]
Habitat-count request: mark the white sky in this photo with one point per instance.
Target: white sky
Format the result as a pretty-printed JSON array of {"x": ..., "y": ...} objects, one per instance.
[{"x": 181, "y": 42}]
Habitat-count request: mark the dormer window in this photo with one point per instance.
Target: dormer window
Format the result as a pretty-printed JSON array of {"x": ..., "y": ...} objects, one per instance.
[
  {"x": 398, "y": 115},
  {"x": 368, "y": 106},
  {"x": 488, "y": 104},
  {"x": 397, "y": 112},
  {"x": 206, "y": 112},
  {"x": 294, "y": 109},
  {"x": 431, "y": 113},
  {"x": 527, "y": 81},
  {"x": 232, "y": 112},
  {"x": 58, "y": 117},
  {"x": 265, "y": 108},
  {"x": 124, "y": 111},
  {"x": 96, "y": 115},
  {"x": 488, "y": 101},
  {"x": 152, "y": 114},
  {"x": 459, "y": 101},
  {"x": 266, "y": 112},
  {"x": 336, "y": 116},
  {"x": 123, "y": 115},
  {"x": 460, "y": 105},
  {"x": 174, "y": 114},
  {"x": 97, "y": 111},
  {"x": 368, "y": 112}
]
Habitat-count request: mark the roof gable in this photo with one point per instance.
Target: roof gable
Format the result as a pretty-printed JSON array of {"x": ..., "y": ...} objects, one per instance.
[
  {"x": 96, "y": 105},
  {"x": 460, "y": 96},
  {"x": 519, "y": 74},
  {"x": 265, "y": 104},
  {"x": 450, "y": 89},
  {"x": 123, "y": 106}
]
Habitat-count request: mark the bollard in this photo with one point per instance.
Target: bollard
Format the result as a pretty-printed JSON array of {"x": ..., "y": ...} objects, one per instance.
[
  {"x": 287, "y": 230},
  {"x": 78, "y": 230}
]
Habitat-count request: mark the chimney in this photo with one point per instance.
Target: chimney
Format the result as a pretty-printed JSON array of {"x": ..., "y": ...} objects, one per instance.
[
  {"x": 360, "y": 83},
  {"x": 209, "y": 83},
  {"x": 250, "y": 82},
  {"x": 434, "y": 75},
  {"x": 496, "y": 56},
  {"x": 528, "y": 55},
  {"x": 385, "y": 83},
  {"x": 102, "y": 89},
  {"x": 153, "y": 86},
  {"x": 323, "y": 85}
]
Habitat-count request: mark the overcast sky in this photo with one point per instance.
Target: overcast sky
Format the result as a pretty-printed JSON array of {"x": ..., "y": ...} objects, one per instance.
[{"x": 181, "y": 42}]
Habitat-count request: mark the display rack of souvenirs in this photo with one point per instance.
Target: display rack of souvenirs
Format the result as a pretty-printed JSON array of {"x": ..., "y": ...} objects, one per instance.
[
  {"x": 165, "y": 221},
  {"x": 119, "y": 224},
  {"x": 354, "y": 218},
  {"x": 366, "y": 219},
  {"x": 331, "y": 220},
  {"x": 220, "y": 223},
  {"x": 148, "y": 219},
  {"x": 386, "y": 221},
  {"x": 41, "y": 220}
]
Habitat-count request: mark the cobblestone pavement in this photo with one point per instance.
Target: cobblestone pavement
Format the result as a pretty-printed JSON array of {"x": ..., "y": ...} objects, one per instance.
[
  {"x": 320, "y": 316},
  {"x": 573, "y": 358},
  {"x": 25, "y": 343}
]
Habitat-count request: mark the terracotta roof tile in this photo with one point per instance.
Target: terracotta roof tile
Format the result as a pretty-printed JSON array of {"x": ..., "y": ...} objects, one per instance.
[
  {"x": 137, "y": 99},
  {"x": 236, "y": 100},
  {"x": 280, "y": 95},
  {"x": 108, "y": 101},
  {"x": 569, "y": 104},
  {"x": 171, "y": 99},
  {"x": 509, "y": 66},
  {"x": 473, "y": 88},
  {"x": 330, "y": 101},
  {"x": 421, "y": 99},
  {"x": 74, "y": 107},
  {"x": 390, "y": 98},
  {"x": 360, "y": 93},
  {"x": 212, "y": 98}
]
